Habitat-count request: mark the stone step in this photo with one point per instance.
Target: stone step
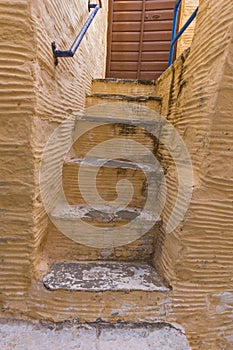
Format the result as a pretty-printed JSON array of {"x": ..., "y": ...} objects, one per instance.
[
  {"x": 137, "y": 245},
  {"x": 129, "y": 108},
  {"x": 100, "y": 335},
  {"x": 124, "y": 87},
  {"x": 104, "y": 174},
  {"x": 103, "y": 276},
  {"x": 110, "y": 291},
  {"x": 104, "y": 226},
  {"x": 112, "y": 306},
  {"x": 137, "y": 139},
  {"x": 151, "y": 102},
  {"x": 59, "y": 247}
]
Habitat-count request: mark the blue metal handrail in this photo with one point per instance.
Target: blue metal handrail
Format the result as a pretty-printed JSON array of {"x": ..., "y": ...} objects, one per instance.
[
  {"x": 79, "y": 38},
  {"x": 175, "y": 36}
]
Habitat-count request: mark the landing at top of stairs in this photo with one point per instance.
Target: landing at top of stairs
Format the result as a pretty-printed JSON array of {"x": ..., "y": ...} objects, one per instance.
[{"x": 124, "y": 86}]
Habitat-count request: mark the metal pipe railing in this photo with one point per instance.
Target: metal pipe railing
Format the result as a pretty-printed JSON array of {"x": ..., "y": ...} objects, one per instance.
[
  {"x": 79, "y": 38},
  {"x": 175, "y": 36}
]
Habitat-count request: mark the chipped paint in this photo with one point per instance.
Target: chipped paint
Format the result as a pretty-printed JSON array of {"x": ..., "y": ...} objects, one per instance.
[{"x": 102, "y": 276}]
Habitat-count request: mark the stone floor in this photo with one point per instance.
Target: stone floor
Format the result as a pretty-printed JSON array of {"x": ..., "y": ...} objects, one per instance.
[{"x": 26, "y": 336}]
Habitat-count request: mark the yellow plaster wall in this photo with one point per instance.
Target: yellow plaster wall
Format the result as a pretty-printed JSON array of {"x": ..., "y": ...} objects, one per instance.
[
  {"x": 197, "y": 258},
  {"x": 61, "y": 91},
  {"x": 35, "y": 97},
  {"x": 16, "y": 154},
  {"x": 187, "y": 8}
]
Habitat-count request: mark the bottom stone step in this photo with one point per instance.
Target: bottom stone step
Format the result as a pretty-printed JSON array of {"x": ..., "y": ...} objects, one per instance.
[
  {"x": 103, "y": 276},
  {"x": 160, "y": 336}
]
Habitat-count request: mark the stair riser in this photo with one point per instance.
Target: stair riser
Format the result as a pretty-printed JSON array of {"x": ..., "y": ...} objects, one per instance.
[
  {"x": 60, "y": 248},
  {"x": 98, "y": 135},
  {"x": 151, "y": 104},
  {"x": 123, "y": 88},
  {"x": 106, "y": 182}
]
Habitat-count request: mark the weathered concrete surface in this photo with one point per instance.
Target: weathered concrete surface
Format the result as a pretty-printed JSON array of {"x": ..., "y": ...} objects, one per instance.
[{"x": 25, "y": 336}]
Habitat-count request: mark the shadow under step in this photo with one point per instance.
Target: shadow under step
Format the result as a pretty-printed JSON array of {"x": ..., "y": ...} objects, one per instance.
[{"x": 103, "y": 276}]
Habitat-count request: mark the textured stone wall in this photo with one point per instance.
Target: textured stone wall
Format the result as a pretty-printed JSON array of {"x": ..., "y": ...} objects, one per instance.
[
  {"x": 197, "y": 258},
  {"x": 187, "y": 8},
  {"x": 16, "y": 154},
  {"x": 61, "y": 91},
  {"x": 35, "y": 97}
]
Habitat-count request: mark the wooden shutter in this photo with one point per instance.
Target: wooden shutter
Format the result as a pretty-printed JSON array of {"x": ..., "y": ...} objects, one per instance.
[{"x": 139, "y": 34}]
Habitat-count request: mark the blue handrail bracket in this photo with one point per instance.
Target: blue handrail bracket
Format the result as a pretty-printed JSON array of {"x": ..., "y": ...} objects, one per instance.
[
  {"x": 175, "y": 35},
  {"x": 79, "y": 38}
]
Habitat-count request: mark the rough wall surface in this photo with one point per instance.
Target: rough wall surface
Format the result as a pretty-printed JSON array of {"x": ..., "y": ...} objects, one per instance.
[
  {"x": 61, "y": 90},
  {"x": 16, "y": 155},
  {"x": 187, "y": 8},
  {"x": 197, "y": 258},
  {"x": 35, "y": 98}
]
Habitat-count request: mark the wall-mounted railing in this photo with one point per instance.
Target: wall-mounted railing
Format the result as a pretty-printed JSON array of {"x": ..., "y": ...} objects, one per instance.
[
  {"x": 175, "y": 35},
  {"x": 79, "y": 38}
]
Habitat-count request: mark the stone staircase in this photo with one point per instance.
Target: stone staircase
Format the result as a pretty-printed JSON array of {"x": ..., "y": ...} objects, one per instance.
[{"x": 109, "y": 282}]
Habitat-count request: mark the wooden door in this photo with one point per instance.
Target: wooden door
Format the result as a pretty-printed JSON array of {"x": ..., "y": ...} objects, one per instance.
[{"x": 139, "y": 34}]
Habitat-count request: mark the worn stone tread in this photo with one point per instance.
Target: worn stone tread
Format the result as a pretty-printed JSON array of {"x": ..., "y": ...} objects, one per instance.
[
  {"x": 101, "y": 213},
  {"x": 125, "y": 81},
  {"x": 126, "y": 97},
  {"x": 137, "y": 122},
  {"x": 103, "y": 276}
]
